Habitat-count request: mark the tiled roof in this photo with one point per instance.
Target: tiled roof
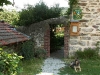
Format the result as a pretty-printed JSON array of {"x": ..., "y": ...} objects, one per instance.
[{"x": 9, "y": 35}]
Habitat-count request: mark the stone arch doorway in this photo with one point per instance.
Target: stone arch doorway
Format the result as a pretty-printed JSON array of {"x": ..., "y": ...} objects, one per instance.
[
  {"x": 66, "y": 40},
  {"x": 40, "y": 33}
]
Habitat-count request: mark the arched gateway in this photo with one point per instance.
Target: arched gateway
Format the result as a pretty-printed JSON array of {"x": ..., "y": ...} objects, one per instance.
[{"x": 40, "y": 32}]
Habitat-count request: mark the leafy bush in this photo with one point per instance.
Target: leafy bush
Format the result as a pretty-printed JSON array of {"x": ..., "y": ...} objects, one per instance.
[
  {"x": 31, "y": 14},
  {"x": 40, "y": 53},
  {"x": 27, "y": 50},
  {"x": 88, "y": 53},
  {"x": 98, "y": 46},
  {"x": 8, "y": 63}
]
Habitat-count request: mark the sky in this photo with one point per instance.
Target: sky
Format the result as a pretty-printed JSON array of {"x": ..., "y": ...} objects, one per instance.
[{"x": 20, "y": 3}]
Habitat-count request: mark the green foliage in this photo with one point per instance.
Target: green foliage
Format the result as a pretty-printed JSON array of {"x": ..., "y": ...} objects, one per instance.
[
  {"x": 31, "y": 67},
  {"x": 8, "y": 63},
  {"x": 61, "y": 32},
  {"x": 27, "y": 50},
  {"x": 72, "y": 4},
  {"x": 39, "y": 12},
  {"x": 26, "y": 16},
  {"x": 88, "y": 66},
  {"x": 88, "y": 53},
  {"x": 40, "y": 53},
  {"x": 54, "y": 11},
  {"x": 98, "y": 46},
  {"x": 10, "y": 17},
  {"x": 56, "y": 43},
  {"x": 4, "y": 2}
]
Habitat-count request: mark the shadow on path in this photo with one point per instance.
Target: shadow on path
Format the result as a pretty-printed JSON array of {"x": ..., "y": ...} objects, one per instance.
[{"x": 58, "y": 54}]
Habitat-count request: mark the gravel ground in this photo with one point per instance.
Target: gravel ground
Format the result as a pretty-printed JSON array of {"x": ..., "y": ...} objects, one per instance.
[{"x": 52, "y": 65}]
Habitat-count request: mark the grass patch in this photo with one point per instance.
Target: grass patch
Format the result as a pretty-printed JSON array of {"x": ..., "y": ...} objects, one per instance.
[
  {"x": 89, "y": 67},
  {"x": 31, "y": 67}
]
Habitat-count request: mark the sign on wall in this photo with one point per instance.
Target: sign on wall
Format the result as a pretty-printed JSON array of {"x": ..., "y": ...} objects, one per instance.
[
  {"x": 77, "y": 14},
  {"x": 74, "y": 29}
]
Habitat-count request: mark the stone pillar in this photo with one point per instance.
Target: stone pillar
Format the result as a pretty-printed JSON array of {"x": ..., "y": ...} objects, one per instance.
[
  {"x": 47, "y": 42},
  {"x": 66, "y": 41}
]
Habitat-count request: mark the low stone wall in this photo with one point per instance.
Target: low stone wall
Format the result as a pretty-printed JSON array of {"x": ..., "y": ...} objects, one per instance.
[{"x": 89, "y": 27}]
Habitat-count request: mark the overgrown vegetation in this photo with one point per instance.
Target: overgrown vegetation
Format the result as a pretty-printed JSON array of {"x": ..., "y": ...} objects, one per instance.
[
  {"x": 9, "y": 63},
  {"x": 72, "y": 5},
  {"x": 88, "y": 66},
  {"x": 40, "y": 53},
  {"x": 88, "y": 53},
  {"x": 89, "y": 62},
  {"x": 4, "y": 2},
  {"x": 9, "y": 16},
  {"x": 33, "y": 58},
  {"x": 28, "y": 51},
  {"x": 39, "y": 12},
  {"x": 31, "y": 67}
]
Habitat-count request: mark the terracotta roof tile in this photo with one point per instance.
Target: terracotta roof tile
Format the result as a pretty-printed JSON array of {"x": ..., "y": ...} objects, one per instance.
[{"x": 8, "y": 35}]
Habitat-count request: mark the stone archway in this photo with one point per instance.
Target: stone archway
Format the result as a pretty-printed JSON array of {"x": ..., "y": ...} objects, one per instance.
[{"x": 40, "y": 33}]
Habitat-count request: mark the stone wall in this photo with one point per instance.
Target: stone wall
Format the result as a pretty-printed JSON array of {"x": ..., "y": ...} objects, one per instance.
[
  {"x": 36, "y": 32},
  {"x": 89, "y": 26}
]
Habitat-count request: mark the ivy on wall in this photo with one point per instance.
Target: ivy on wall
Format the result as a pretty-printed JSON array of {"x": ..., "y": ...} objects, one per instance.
[{"x": 72, "y": 4}]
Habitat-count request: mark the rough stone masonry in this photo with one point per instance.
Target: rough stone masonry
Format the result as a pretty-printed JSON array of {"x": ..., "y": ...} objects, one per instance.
[{"x": 89, "y": 26}]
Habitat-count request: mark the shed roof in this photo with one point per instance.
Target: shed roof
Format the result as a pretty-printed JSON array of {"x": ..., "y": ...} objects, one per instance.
[{"x": 9, "y": 35}]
